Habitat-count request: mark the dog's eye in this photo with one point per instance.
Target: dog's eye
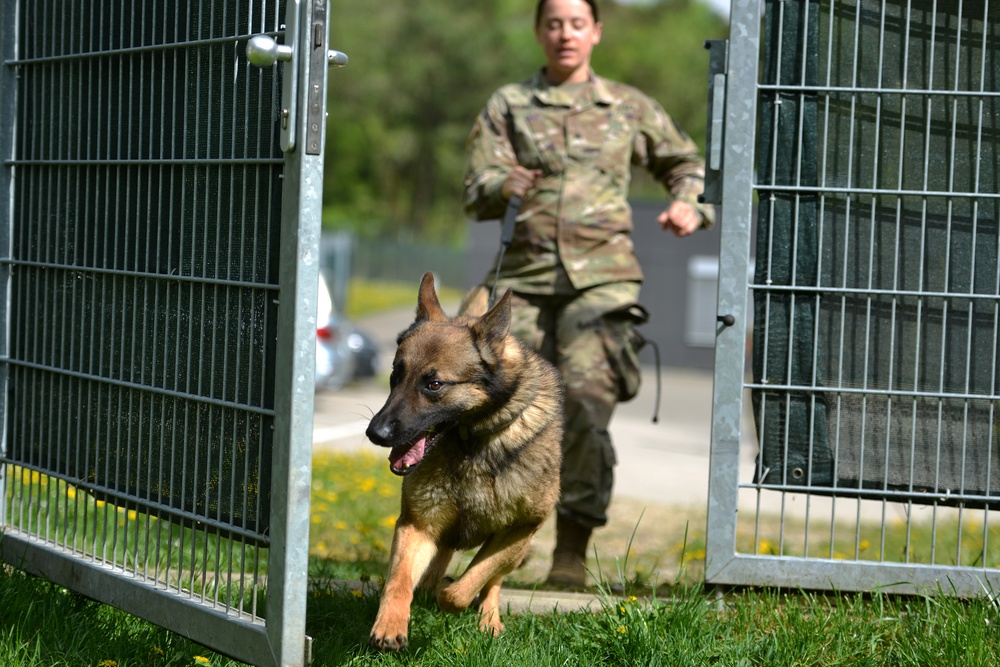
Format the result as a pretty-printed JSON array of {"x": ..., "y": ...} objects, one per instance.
[{"x": 435, "y": 385}]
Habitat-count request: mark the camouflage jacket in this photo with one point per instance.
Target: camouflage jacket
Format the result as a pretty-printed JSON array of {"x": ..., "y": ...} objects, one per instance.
[{"x": 578, "y": 217}]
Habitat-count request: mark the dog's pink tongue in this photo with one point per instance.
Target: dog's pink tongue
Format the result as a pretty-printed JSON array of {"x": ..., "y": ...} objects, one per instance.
[{"x": 404, "y": 456}]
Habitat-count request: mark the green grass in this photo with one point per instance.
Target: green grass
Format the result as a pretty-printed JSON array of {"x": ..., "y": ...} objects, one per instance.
[
  {"x": 692, "y": 628},
  {"x": 660, "y": 614},
  {"x": 42, "y": 625}
]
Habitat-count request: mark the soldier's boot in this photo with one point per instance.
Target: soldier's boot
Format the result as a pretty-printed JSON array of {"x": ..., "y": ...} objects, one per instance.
[{"x": 569, "y": 558}]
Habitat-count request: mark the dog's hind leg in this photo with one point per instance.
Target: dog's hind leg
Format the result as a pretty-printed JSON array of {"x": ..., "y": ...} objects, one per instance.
[
  {"x": 412, "y": 552},
  {"x": 497, "y": 558},
  {"x": 489, "y": 608}
]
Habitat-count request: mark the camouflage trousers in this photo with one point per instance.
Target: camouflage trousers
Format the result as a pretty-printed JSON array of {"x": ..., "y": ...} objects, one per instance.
[{"x": 583, "y": 335}]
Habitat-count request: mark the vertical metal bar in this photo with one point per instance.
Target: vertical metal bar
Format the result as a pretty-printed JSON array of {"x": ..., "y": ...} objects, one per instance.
[
  {"x": 299, "y": 266},
  {"x": 946, "y": 288},
  {"x": 996, "y": 290},
  {"x": 972, "y": 257},
  {"x": 727, "y": 393},
  {"x": 9, "y": 47},
  {"x": 899, "y": 221},
  {"x": 823, "y": 182},
  {"x": 852, "y": 124},
  {"x": 804, "y": 80}
]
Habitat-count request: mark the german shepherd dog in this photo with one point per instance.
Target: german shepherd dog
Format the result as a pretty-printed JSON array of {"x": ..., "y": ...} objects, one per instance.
[{"x": 474, "y": 419}]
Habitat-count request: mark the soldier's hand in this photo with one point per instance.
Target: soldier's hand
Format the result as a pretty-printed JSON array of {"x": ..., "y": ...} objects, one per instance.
[
  {"x": 519, "y": 182},
  {"x": 679, "y": 218}
]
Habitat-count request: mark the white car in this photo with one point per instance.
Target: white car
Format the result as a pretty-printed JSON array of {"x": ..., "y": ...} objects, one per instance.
[{"x": 335, "y": 361}]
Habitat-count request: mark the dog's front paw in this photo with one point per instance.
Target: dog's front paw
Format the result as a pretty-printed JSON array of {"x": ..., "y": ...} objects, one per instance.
[{"x": 389, "y": 634}]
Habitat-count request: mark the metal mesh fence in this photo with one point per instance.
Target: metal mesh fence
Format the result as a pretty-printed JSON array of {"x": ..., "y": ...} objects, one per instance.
[
  {"x": 876, "y": 297},
  {"x": 143, "y": 277}
]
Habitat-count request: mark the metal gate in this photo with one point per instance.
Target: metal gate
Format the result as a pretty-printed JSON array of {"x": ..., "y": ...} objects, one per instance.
[
  {"x": 857, "y": 146},
  {"x": 159, "y": 257}
]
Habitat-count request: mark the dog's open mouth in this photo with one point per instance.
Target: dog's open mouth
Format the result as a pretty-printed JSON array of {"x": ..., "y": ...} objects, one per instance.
[{"x": 404, "y": 459}]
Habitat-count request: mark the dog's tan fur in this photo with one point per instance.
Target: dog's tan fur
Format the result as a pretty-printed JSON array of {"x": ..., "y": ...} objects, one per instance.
[{"x": 491, "y": 477}]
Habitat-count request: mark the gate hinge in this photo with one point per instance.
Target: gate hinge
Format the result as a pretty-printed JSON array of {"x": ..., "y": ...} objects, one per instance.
[{"x": 718, "y": 65}]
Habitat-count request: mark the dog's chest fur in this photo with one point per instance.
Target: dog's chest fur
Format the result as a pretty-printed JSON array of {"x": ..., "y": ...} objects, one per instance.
[{"x": 466, "y": 499}]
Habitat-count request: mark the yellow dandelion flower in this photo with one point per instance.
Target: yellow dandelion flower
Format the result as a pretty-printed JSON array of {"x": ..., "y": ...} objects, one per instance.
[
  {"x": 632, "y": 598},
  {"x": 107, "y": 663},
  {"x": 202, "y": 660},
  {"x": 156, "y": 650},
  {"x": 764, "y": 547},
  {"x": 340, "y": 525},
  {"x": 132, "y": 514},
  {"x": 315, "y": 519},
  {"x": 863, "y": 544},
  {"x": 357, "y": 594},
  {"x": 99, "y": 503},
  {"x": 366, "y": 484},
  {"x": 389, "y": 521},
  {"x": 70, "y": 492},
  {"x": 622, "y": 629}
]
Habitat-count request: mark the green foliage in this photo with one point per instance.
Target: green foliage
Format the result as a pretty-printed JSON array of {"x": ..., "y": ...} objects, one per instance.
[
  {"x": 400, "y": 113},
  {"x": 365, "y": 297}
]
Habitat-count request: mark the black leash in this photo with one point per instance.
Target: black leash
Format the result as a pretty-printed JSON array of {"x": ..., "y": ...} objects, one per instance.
[{"x": 506, "y": 238}]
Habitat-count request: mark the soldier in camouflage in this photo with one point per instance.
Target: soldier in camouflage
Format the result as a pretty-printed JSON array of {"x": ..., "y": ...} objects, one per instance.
[{"x": 564, "y": 141}]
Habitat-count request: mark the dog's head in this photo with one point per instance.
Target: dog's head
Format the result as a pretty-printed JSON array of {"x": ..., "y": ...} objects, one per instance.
[{"x": 447, "y": 374}]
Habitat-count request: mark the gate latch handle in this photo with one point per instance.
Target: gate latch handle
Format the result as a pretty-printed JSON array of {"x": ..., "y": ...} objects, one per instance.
[{"x": 263, "y": 51}]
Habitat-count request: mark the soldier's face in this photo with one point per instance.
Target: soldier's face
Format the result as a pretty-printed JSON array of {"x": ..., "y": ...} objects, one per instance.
[{"x": 567, "y": 33}]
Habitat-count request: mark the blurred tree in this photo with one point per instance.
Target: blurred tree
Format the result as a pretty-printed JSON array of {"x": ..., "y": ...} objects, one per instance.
[{"x": 419, "y": 72}]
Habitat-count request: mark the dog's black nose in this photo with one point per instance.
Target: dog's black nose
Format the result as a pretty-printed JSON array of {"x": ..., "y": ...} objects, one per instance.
[{"x": 379, "y": 431}]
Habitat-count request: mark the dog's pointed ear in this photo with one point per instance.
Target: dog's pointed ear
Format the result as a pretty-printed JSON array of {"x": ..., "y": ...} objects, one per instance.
[
  {"x": 493, "y": 328},
  {"x": 428, "y": 306}
]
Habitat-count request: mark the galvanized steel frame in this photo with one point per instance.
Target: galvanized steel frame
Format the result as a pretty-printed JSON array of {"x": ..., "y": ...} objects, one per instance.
[
  {"x": 276, "y": 637},
  {"x": 726, "y": 563}
]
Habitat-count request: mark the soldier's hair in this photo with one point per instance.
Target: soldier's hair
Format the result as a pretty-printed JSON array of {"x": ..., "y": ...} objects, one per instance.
[{"x": 541, "y": 6}]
